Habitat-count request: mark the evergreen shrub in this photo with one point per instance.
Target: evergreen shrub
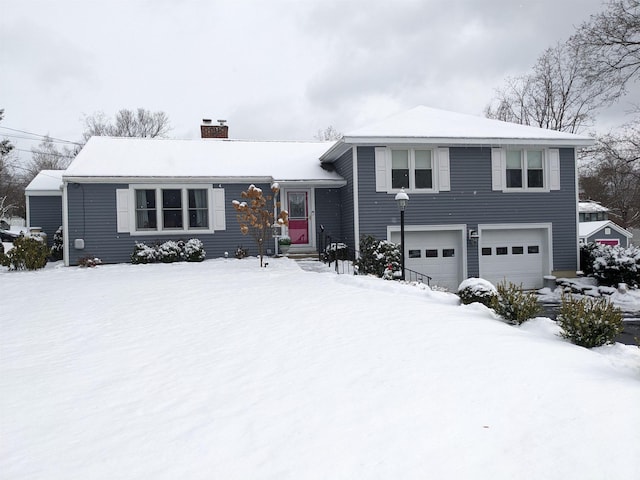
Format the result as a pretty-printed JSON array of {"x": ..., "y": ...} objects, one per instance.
[
  {"x": 381, "y": 258},
  {"x": 169, "y": 252},
  {"x": 477, "y": 290},
  {"x": 28, "y": 253},
  {"x": 58, "y": 245},
  {"x": 589, "y": 322},
  {"x": 514, "y": 305}
]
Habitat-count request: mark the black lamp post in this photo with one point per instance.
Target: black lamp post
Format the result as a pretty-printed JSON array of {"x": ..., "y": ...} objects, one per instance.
[{"x": 402, "y": 199}]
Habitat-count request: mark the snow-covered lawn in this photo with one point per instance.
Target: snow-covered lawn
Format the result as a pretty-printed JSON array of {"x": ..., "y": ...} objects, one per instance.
[{"x": 223, "y": 370}]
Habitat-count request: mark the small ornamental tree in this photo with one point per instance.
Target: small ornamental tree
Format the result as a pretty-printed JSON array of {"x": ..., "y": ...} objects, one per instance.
[{"x": 256, "y": 215}]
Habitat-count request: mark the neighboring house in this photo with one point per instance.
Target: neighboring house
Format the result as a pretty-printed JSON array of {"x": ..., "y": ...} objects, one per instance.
[
  {"x": 44, "y": 202},
  {"x": 487, "y": 198},
  {"x": 605, "y": 232},
  {"x": 595, "y": 226},
  {"x": 592, "y": 211}
]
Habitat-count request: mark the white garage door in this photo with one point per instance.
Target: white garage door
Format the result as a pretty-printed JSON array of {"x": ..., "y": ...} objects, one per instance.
[
  {"x": 519, "y": 256},
  {"x": 437, "y": 254}
]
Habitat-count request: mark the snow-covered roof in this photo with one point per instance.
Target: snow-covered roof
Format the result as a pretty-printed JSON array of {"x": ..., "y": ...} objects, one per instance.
[
  {"x": 586, "y": 229},
  {"x": 591, "y": 207},
  {"x": 107, "y": 157},
  {"x": 430, "y": 125},
  {"x": 46, "y": 182}
]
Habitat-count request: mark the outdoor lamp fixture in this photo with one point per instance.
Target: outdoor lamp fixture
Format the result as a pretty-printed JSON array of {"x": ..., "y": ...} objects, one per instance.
[{"x": 402, "y": 199}]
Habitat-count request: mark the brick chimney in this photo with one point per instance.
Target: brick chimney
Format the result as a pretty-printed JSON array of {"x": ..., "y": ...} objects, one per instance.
[{"x": 208, "y": 130}]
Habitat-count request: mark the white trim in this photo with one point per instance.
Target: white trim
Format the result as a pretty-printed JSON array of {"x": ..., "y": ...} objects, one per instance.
[
  {"x": 577, "y": 205},
  {"x": 449, "y": 141},
  {"x": 311, "y": 215},
  {"x": 28, "y": 215},
  {"x": 356, "y": 204},
  {"x": 338, "y": 182},
  {"x": 65, "y": 224},
  {"x": 519, "y": 226},
  {"x": 43, "y": 193},
  {"x": 460, "y": 227}
]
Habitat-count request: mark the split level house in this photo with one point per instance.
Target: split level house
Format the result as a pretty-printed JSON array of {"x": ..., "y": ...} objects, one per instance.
[{"x": 486, "y": 198}]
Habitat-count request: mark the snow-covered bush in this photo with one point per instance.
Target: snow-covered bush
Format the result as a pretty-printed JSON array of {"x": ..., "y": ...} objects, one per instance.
[
  {"x": 614, "y": 264},
  {"x": 28, "y": 253},
  {"x": 378, "y": 257},
  {"x": 478, "y": 290},
  {"x": 58, "y": 245},
  {"x": 144, "y": 254},
  {"x": 169, "y": 252},
  {"x": 515, "y": 305},
  {"x": 193, "y": 250},
  {"x": 589, "y": 322}
]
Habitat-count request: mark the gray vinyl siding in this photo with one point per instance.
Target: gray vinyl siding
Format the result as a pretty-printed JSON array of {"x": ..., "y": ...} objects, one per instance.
[
  {"x": 344, "y": 167},
  {"x": 92, "y": 217},
  {"x": 328, "y": 212},
  {"x": 472, "y": 201},
  {"x": 46, "y": 212}
]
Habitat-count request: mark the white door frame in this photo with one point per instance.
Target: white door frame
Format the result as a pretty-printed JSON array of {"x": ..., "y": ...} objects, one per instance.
[{"x": 311, "y": 212}]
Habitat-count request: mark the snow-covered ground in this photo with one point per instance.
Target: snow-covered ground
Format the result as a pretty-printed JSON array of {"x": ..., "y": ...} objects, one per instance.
[
  {"x": 225, "y": 370},
  {"x": 627, "y": 299}
]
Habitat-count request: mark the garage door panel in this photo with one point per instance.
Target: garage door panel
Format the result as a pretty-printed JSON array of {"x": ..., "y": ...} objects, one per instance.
[
  {"x": 437, "y": 254},
  {"x": 516, "y": 255}
]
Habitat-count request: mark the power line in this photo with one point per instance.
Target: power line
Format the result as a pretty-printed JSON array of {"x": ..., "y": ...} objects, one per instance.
[
  {"x": 43, "y": 153},
  {"x": 36, "y": 139},
  {"x": 41, "y": 136}
]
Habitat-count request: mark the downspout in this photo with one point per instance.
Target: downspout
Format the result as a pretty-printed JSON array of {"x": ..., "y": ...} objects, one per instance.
[
  {"x": 356, "y": 205},
  {"x": 577, "y": 189},
  {"x": 65, "y": 224}
]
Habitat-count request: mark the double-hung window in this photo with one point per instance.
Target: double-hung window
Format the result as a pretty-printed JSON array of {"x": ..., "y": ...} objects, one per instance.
[
  {"x": 411, "y": 169},
  {"x": 525, "y": 169},
  {"x": 520, "y": 169},
  {"x": 170, "y": 209}
]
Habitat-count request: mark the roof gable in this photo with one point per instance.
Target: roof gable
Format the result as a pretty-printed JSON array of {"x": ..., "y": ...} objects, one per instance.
[{"x": 586, "y": 229}]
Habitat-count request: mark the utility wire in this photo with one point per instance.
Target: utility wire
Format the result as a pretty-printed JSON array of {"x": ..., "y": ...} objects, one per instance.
[
  {"x": 37, "y": 139},
  {"x": 41, "y": 136}
]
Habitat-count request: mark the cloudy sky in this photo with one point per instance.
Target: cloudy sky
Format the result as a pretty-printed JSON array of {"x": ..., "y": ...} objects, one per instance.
[{"x": 278, "y": 69}]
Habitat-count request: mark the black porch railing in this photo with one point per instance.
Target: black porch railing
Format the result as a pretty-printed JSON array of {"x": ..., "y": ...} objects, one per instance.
[{"x": 341, "y": 257}]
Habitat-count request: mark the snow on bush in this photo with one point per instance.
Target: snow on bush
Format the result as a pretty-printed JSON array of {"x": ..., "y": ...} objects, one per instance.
[
  {"x": 379, "y": 257},
  {"x": 612, "y": 265},
  {"x": 477, "y": 290},
  {"x": 169, "y": 252},
  {"x": 58, "y": 245}
]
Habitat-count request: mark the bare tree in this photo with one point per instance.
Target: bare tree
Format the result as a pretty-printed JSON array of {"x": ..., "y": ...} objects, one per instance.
[
  {"x": 612, "y": 174},
  {"x": 329, "y": 134},
  {"x": 256, "y": 215},
  {"x": 127, "y": 123},
  {"x": 556, "y": 94},
  {"x": 11, "y": 186},
  {"x": 611, "y": 42},
  {"x": 47, "y": 156}
]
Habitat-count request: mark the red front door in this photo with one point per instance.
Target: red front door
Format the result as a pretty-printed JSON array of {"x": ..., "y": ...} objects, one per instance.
[{"x": 298, "y": 207}]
